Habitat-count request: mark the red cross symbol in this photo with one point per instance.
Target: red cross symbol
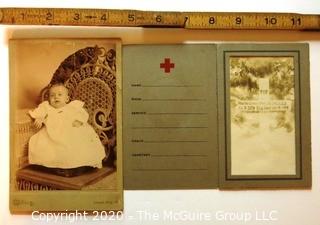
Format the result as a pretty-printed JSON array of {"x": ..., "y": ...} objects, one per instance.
[{"x": 167, "y": 65}]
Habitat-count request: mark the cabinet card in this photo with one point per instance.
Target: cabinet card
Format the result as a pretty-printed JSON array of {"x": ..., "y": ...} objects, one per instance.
[
  {"x": 264, "y": 116},
  {"x": 65, "y": 125}
]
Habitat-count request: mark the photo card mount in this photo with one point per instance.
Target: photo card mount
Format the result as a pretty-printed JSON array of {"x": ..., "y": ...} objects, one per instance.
[
  {"x": 264, "y": 116},
  {"x": 86, "y": 173}
]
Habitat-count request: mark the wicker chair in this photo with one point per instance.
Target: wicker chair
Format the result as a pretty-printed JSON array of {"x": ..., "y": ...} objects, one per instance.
[{"x": 90, "y": 76}]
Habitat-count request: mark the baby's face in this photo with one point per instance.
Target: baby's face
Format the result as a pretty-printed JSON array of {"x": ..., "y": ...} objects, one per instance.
[{"x": 58, "y": 96}]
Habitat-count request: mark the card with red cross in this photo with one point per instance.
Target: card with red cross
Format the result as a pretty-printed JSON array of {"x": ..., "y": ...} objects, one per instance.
[{"x": 170, "y": 116}]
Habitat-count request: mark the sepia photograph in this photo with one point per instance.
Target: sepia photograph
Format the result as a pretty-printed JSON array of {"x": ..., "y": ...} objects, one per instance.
[
  {"x": 264, "y": 109},
  {"x": 262, "y": 115},
  {"x": 64, "y": 106}
]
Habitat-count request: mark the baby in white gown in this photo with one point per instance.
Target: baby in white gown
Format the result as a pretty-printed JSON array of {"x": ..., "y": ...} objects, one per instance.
[{"x": 65, "y": 140}]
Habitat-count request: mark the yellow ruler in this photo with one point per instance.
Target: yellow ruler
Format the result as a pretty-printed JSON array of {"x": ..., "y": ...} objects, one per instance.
[{"x": 135, "y": 18}]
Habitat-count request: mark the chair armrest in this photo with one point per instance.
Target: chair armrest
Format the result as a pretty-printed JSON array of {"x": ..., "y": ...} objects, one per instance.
[{"x": 24, "y": 129}]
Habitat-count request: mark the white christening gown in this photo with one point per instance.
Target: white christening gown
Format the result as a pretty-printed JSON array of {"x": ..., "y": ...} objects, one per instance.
[{"x": 59, "y": 144}]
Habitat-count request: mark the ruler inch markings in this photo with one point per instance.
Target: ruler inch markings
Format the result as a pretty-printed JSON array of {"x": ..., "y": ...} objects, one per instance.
[
  {"x": 137, "y": 18},
  {"x": 285, "y": 21}
]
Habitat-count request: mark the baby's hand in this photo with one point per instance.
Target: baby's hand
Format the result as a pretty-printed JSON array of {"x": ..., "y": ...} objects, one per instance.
[
  {"x": 77, "y": 123},
  {"x": 38, "y": 122}
]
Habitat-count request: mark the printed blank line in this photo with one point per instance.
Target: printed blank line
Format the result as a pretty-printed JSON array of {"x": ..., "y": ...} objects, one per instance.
[
  {"x": 182, "y": 155},
  {"x": 172, "y": 85},
  {"x": 178, "y": 113},
  {"x": 169, "y": 127},
  {"x": 181, "y": 169},
  {"x": 175, "y": 99},
  {"x": 175, "y": 141}
]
